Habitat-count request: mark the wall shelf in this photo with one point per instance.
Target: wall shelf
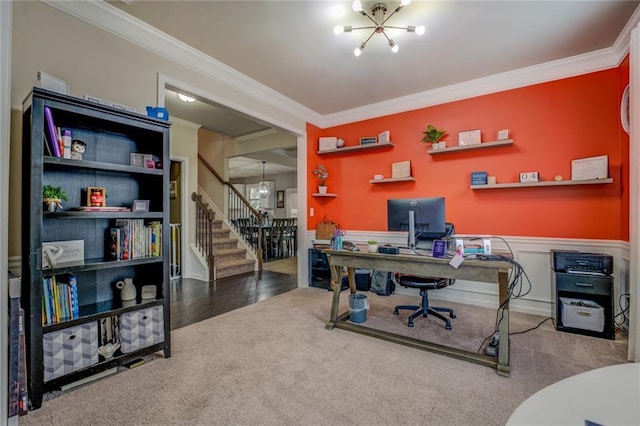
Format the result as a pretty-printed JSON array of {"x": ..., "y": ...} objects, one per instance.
[
  {"x": 389, "y": 180},
  {"x": 545, "y": 183},
  {"x": 506, "y": 142},
  {"x": 356, "y": 148},
  {"x": 328, "y": 194}
]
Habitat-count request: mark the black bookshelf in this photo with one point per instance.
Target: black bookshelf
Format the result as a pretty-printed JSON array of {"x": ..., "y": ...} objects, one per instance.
[{"x": 110, "y": 135}]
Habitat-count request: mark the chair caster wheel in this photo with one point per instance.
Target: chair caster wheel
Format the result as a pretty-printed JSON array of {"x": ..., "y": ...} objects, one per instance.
[
  {"x": 452, "y": 315},
  {"x": 410, "y": 324},
  {"x": 448, "y": 326},
  {"x": 396, "y": 312}
]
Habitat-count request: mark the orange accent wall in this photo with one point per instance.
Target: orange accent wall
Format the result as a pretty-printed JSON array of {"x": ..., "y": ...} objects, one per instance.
[{"x": 550, "y": 124}]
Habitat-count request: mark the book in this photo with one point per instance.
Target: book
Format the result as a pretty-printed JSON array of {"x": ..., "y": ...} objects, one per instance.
[{"x": 50, "y": 131}]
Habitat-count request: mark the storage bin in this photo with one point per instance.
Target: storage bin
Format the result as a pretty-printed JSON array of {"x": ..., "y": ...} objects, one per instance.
[
  {"x": 363, "y": 279},
  {"x": 68, "y": 350},
  {"x": 141, "y": 328},
  {"x": 582, "y": 313}
]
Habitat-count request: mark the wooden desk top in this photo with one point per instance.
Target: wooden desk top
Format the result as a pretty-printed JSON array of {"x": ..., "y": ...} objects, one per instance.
[{"x": 471, "y": 269}]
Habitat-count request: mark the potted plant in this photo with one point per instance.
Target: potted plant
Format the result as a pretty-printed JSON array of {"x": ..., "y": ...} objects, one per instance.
[
  {"x": 372, "y": 246},
  {"x": 433, "y": 136},
  {"x": 321, "y": 174},
  {"x": 52, "y": 197}
]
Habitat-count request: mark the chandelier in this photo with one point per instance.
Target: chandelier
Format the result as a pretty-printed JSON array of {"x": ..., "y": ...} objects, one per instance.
[
  {"x": 263, "y": 189},
  {"x": 377, "y": 16}
]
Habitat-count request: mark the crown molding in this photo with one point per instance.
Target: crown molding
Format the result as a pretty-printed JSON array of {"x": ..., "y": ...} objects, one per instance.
[
  {"x": 119, "y": 23},
  {"x": 111, "y": 19}
]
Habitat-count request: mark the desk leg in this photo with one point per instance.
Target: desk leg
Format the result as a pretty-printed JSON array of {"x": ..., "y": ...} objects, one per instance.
[
  {"x": 336, "y": 276},
  {"x": 503, "y": 326},
  {"x": 351, "y": 273}
]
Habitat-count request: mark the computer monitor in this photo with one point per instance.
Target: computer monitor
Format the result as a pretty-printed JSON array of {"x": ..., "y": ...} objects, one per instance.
[{"x": 422, "y": 218}]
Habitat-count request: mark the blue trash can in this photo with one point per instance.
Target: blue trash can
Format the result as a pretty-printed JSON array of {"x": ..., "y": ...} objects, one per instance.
[{"x": 358, "y": 305}]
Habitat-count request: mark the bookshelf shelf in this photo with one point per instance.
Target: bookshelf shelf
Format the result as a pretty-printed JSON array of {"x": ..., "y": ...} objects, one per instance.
[
  {"x": 357, "y": 148},
  {"x": 76, "y": 297},
  {"x": 85, "y": 164},
  {"x": 483, "y": 145},
  {"x": 545, "y": 183}
]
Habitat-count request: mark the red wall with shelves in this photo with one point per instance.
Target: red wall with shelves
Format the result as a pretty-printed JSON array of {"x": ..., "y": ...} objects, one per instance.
[{"x": 550, "y": 124}]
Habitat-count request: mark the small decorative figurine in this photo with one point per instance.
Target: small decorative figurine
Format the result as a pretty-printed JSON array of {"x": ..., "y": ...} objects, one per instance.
[{"x": 77, "y": 149}]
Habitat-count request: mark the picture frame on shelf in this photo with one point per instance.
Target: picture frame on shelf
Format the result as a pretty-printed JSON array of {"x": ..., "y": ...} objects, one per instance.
[
  {"x": 469, "y": 137},
  {"x": 140, "y": 206},
  {"x": 96, "y": 196},
  {"x": 503, "y": 134},
  {"x": 368, "y": 140},
  {"x": 384, "y": 137},
  {"x": 173, "y": 190}
]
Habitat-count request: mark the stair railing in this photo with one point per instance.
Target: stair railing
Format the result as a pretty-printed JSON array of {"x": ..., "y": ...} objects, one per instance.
[
  {"x": 241, "y": 215},
  {"x": 204, "y": 232}
]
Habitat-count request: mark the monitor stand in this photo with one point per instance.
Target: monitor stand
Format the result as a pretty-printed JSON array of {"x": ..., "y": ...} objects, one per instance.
[{"x": 412, "y": 232}]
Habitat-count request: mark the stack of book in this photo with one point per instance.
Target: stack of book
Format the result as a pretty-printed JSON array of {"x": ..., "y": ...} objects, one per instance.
[
  {"x": 132, "y": 239},
  {"x": 59, "y": 299},
  {"x": 58, "y": 141}
]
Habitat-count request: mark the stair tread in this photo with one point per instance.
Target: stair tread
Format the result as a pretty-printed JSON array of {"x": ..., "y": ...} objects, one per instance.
[
  {"x": 227, "y": 251},
  {"x": 234, "y": 262}
]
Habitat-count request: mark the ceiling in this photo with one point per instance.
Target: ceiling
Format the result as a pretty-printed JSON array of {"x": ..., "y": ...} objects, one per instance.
[{"x": 290, "y": 46}]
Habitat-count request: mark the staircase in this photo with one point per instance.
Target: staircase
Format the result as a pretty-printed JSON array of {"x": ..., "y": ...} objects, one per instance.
[
  {"x": 230, "y": 258},
  {"x": 224, "y": 254}
]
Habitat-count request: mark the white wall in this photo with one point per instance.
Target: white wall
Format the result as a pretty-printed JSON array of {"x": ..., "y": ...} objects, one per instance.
[{"x": 98, "y": 63}]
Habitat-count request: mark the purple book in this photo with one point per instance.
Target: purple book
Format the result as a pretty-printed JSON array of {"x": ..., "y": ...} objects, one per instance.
[{"x": 51, "y": 132}]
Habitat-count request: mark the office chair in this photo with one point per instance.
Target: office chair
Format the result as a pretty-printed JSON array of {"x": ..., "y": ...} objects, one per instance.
[{"x": 424, "y": 284}]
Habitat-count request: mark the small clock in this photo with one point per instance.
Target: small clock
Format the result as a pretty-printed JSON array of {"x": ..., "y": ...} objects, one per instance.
[{"x": 528, "y": 177}]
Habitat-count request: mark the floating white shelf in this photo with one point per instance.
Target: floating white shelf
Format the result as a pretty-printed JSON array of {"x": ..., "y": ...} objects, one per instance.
[
  {"x": 545, "y": 183},
  {"x": 357, "y": 148},
  {"x": 482, "y": 145},
  {"x": 389, "y": 180},
  {"x": 327, "y": 194}
]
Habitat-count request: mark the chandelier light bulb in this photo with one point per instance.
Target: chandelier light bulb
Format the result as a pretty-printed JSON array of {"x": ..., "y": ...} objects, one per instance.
[
  {"x": 356, "y": 6},
  {"x": 405, "y": 2},
  {"x": 394, "y": 46},
  {"x": 357, "y": 51},
  {"x": 420, "y": 29},
  {"x": 338, "y": 29}
]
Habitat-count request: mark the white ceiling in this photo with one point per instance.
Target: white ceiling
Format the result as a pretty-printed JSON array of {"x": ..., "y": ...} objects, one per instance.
[{"x": 290, "y": 46}]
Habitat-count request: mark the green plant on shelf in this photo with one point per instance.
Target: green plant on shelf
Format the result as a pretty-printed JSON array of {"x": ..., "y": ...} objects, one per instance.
[
  {"x": 433, "y": 135},
  {"x": 54, "y": 193}
]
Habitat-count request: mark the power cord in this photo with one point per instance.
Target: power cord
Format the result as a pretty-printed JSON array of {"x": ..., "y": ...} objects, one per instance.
[{"x": 623, "y": 311}]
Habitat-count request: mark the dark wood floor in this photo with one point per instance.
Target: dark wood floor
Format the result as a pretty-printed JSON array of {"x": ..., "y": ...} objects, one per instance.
[{"x": 194, "y": 300}]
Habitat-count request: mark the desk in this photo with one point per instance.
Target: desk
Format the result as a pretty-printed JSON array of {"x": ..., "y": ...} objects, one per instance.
[
  {"x": 606, "y": 396},
  {"x": 471, "y": 270}
]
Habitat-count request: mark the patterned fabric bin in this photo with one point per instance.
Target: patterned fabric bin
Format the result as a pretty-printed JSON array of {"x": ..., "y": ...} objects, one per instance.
[
  {"x": 142, "y": 328},
  {"x": 69, "y": 350}
]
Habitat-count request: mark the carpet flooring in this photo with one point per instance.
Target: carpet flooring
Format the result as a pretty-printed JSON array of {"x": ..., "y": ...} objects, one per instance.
[{"x": 274, "y": 363}]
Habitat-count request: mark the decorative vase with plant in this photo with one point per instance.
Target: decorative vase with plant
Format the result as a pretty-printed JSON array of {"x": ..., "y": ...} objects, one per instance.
[
  {"x": 52, "y": 197},
  {"x": 372, "y": 246},
  {"x": 321, "y": 174},
  {"x": 433, "y": 136}
]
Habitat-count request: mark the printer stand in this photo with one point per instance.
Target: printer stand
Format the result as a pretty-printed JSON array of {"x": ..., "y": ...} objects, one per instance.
[{"x": 597, "y": 288}]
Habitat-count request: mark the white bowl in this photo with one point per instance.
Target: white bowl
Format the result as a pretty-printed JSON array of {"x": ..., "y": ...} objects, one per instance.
[{"x": 107, "y": 350}]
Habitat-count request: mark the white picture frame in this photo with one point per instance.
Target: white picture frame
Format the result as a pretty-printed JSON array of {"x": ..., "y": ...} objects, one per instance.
[{"x": 384, "y": 137}]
